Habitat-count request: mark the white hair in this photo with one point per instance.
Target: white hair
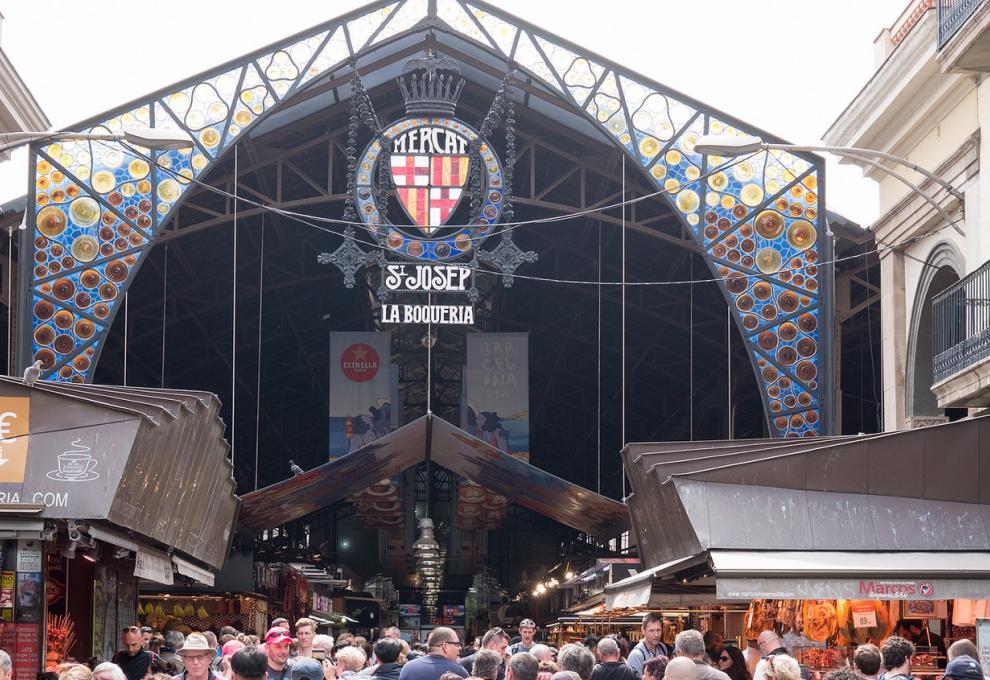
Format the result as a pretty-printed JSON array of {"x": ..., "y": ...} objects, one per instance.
[
  {"x": 539, "y": 651},
  {"x": 352, "y": 658},
  {"x": 113, "y": 669},
  {"x": 322, "y": 641},
  {"x": 5, "y": 662},
  {"x": 608, "y": 647}
]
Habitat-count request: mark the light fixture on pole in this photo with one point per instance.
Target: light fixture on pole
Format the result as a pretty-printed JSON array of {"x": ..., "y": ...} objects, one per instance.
[
  {"x": 740, "y": 145},
  {"x": 149, "y": 138}
]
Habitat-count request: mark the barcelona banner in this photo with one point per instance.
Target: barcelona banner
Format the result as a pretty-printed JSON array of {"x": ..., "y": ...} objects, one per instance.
[{"x": 496, "y": 391}]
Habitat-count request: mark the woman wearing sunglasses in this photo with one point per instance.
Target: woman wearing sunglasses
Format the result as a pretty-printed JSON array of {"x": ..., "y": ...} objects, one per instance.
[{"x": 732, "y": 662}]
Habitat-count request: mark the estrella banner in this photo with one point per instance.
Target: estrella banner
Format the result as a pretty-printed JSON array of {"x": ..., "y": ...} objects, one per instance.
[
  {"x": 496, "y": 391},
  {"x": 361, "y": 390}
]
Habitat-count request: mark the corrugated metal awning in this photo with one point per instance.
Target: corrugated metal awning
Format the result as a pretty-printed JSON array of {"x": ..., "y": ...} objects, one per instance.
[
  {"x": 153, "y": 461},
  {"x": 451, "y": 448},
  {"x": 635, "y": 591},
  {"x": 925, "y": 490}
]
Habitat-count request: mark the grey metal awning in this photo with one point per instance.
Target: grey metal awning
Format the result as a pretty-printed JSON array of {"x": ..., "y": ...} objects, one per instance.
[
  {"x": 146, "y": 466},
  {"x": 635, "y": 591},
  {"x": 451, "y": 448},
  {"x": 815, "y": 517}
]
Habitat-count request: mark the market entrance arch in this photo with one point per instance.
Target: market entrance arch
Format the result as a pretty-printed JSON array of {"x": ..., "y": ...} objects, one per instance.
[{"x": 758, "y": 222}]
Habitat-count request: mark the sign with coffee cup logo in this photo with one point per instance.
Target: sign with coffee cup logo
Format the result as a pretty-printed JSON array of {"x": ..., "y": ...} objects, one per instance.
[{"x": 76, "y": 464}]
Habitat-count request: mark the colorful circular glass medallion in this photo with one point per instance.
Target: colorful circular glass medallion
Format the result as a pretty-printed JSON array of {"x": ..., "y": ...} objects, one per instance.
[
  {"x": 751, "y": 195},
  {"x": 429, "y": 161},
  {"x": 168, "y": 190},
  {"x": 768, "y": 260},
  {"x": 84, "y": 211},
  {"x": 51, "y": 221},
  {"x": 138, "y": 168},
  {"x": 85, "y": 248},
  {"x": 649, "y": 147},
  {"x": 769, "y": 224},
  {"x": 103, "y": 181},
  {"x": 802, "y": 234},
  {"x": 688, "y": 201},
  {"x": 743, "y": 172}
]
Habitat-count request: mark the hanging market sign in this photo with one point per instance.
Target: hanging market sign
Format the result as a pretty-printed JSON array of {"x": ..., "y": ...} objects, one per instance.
[
  {"x": 451, "y": 187},
  {"x": 426, "y": 279}
]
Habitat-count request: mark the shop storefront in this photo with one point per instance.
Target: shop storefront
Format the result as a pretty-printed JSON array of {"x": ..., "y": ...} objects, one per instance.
[
  {"x": 830, "y": 543},
  {"x": 79, "y": 522}
]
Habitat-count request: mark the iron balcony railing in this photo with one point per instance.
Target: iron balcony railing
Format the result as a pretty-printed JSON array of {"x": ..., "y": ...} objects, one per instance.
[
  {"x": 952, "y": 14},
  {"x": 961, "y": 324}
]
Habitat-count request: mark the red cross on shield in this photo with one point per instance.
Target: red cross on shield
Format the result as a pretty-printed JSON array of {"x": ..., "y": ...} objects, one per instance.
[{"x": 429, "y": 186}]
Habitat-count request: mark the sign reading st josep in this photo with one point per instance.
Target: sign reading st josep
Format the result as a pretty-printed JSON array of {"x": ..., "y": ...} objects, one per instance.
[{"x": 427, "y": 279}]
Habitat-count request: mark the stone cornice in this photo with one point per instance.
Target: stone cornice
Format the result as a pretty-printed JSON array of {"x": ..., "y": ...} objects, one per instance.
[
  {"x": 19, "y": 110},
  {"x": 911, "y": 55},
  {"x": 913, "y": 216}
]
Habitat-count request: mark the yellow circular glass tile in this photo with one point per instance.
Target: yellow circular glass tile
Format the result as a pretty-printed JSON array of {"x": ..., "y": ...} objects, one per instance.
[
  {"x": 210, "y": 137},
  {"x": 688, "y": 201},
  {"x": 751, "y": 195},
  {"x": 103, "y": 181},
  {"x": 168, "y": 190},
  {"x": 649, "y": 147},
  {"x": 138, "y": 168},
  {"x": 719, "y": 181}
]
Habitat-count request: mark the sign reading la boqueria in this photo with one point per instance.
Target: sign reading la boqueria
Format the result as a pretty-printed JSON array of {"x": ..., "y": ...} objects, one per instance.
[
  {"x": 452, "y": 189},
  {"x": 427, "y": 279}
]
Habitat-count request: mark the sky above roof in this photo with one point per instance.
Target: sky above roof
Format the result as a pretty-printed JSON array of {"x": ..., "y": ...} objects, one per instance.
[{"x": 788, "y": 67}]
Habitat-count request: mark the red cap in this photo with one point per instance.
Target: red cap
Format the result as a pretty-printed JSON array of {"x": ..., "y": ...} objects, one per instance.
[{"x": 277, "y": 636}]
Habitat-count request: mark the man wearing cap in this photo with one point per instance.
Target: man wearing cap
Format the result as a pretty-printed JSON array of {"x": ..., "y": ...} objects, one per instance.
[
  {"x": 306, "y": 668},
  {"x": 197, "y": 654},
  {"x": 277, "y": 643},
  {"x": 964, "y": 668},
  {"x": 527, "y": 630}
]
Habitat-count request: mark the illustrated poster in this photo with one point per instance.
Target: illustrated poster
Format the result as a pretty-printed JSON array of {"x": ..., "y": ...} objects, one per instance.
[
  {"x": 361, "y": 387},
  {"x": 496, "y": 389}
]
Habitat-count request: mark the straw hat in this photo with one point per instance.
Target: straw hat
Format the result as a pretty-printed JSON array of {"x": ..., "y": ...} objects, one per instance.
[{"x": 196, "y": 642}]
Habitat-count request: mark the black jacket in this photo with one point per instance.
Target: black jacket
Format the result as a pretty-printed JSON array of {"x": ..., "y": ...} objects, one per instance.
[
  {"x": 387, "y": 671},
  {"x": 614, "y": 670}
]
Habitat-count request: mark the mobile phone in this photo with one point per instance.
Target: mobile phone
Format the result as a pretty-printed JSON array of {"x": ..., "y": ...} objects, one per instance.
[{"x": 319, "y": 654}]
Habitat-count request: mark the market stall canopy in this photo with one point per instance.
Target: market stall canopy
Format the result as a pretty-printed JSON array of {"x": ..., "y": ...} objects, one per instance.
[
  {"x": 833, "y": 509},
  {"x": 451, "y": 448},
  {"x": 152, "y": 461}
]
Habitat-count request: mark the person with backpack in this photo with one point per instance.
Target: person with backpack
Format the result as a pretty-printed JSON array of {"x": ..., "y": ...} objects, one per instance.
[{"x": 650, "y": 646}]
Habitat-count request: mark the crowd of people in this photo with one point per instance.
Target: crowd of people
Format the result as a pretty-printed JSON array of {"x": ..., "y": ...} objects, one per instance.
[{"x": 299, "y": 653}]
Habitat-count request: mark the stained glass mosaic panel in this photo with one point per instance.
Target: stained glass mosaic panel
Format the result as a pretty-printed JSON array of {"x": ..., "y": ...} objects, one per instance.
[{"x": 99, "y": 206}]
